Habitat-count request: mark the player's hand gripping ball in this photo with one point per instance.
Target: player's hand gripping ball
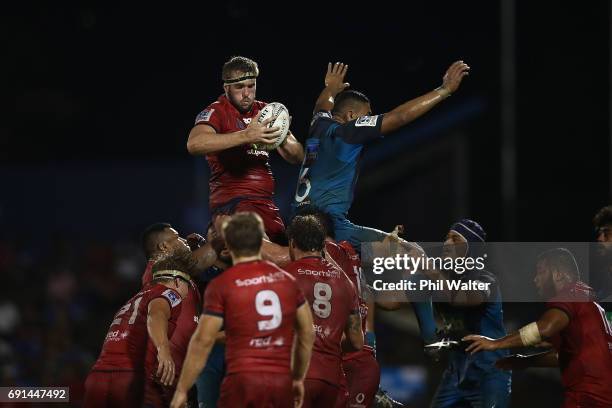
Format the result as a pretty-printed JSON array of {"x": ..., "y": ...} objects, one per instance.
[{"x": 282, "y": 121}]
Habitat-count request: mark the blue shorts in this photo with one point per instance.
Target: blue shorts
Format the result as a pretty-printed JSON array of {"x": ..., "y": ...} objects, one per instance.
[
  {"x": 492, "y": 389},
  {"x": 210, "y": 379}
]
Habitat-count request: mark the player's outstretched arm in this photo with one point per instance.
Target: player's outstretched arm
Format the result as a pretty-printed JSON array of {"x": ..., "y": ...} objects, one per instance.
[
  {"x": 275, "y": 253},
  {"x": 203, "y": 252},
  {"x": 302, "y": 351},
  {"x": 203, "y": 139},
  {"x": 334, "y": 84},
  {"x": 200, "y": 345},
  {"x": 291, "y": 150},
  {"x": 158, "y": 315},
  {"x": 205, "y": 257},
  {"x": 518, "y": 361},
  {"x": 409, "y": 111},
  {"x": 551, "y": 323},
  {"x": 353, "y": 334}
]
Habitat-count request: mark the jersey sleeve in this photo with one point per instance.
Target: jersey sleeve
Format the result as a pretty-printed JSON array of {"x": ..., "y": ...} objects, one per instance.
[
  {"x": 213, "y": 299},
  {"x": 210, "y": 116},
  {"x": 320, "y": 123},
  {"x": 173, "y": 298},
  {"x": 360, "y": 131}
]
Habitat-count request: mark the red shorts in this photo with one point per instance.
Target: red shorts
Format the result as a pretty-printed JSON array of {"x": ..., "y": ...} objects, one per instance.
[
  {"x": 256, "y": 390},
  {"x": 363, "y": 376},
  {"x": 319, "y": 393},
  {"x": 115, "y": 389},
  {"x": 266, "y": 209},
  {"x": 343, "y": 396},
  {"x": 157, "y": 395}
]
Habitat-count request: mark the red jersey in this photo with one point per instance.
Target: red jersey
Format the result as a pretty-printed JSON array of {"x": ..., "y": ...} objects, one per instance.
[
  {"x": 185, "y": 325},
  {"x": 333, "y": 299},
  {"x": 241, "y": 171},
  {"x": 126, "y": 341},
  {"x": 584, "y": 346},
  {"x": 344, "y": 255},
  {"x": 258, "y": 303}
]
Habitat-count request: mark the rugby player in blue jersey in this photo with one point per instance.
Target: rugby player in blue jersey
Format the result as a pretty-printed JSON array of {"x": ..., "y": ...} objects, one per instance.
[
  {"x": 470, "y": 380},
  {"x": 343, "y": 122}
]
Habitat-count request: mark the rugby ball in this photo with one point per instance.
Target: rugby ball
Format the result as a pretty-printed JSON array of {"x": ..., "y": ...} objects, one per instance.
[{"x": 279, "y": 111}]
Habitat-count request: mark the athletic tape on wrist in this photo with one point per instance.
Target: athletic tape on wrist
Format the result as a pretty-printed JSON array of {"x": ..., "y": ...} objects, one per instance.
[{"x": 530, "y": 334}]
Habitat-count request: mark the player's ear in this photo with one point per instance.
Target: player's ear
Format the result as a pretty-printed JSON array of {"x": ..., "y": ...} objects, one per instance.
[{"x": 162, "y": 246}]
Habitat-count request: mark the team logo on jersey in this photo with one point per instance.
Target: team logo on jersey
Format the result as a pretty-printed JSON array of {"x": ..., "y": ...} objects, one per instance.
[
  {"x": 247, "y": 120},
  {"x": 367, "y": 121},
  {"x": 255, "y": 152},
  {"x": 112, "y": 336},
  {"x": 204, "y": 116},
  {"x": 172, "y": 296}
]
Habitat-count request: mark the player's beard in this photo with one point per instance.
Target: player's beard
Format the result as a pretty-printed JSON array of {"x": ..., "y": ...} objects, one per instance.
[
  {"x": 188, "y": 260},
  {"x": 238, "y": 105}
]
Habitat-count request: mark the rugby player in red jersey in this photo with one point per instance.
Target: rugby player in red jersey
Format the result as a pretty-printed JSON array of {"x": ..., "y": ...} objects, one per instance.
[
  {"x": 160, "y": 240},
  {"x": 574, "y": 324},
  {"x": 260, "y": 306},
  {"x": 117, "y": 379},
  {"x": 361, "y": 369},
  {"x": 335, "y": 310},
  {"x": 241, "y": 177},
  {"x": 159, "y": 386}
]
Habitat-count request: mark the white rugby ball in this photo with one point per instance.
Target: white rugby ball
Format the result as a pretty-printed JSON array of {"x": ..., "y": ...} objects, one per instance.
[{"x": 280, "y": 112}]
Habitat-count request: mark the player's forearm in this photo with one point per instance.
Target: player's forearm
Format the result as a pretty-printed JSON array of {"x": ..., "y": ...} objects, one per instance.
[
  {"x": 292, "y": 150},
  {"x": 195, "y": 360},
  {"x": 411, "y": 110},
  {"x": 353, "y": 339},
  {"x": 205, "y": 257},
  {"x": 301, "y": 355},
  {"x": 202, "y": 142},
  {"x": 325, "y": 101},
  {"x": 157, "y": 328},
  {"x": 275, "y": 253},
  {"x": 512, "y": 340}
]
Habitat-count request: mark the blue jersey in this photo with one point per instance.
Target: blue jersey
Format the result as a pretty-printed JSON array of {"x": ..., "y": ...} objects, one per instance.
[
  {"x": 485, "y": 319},
  {"x": 331, "y": 163}
]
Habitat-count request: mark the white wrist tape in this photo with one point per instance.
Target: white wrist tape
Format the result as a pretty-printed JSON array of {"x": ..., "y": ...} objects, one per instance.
[
  {"x": 443, "y": 92},
  {"x": 530, "y": 334}
]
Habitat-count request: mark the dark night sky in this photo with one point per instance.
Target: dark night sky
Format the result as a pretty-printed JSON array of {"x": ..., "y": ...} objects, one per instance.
[{"x": 104, "y": 83}]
